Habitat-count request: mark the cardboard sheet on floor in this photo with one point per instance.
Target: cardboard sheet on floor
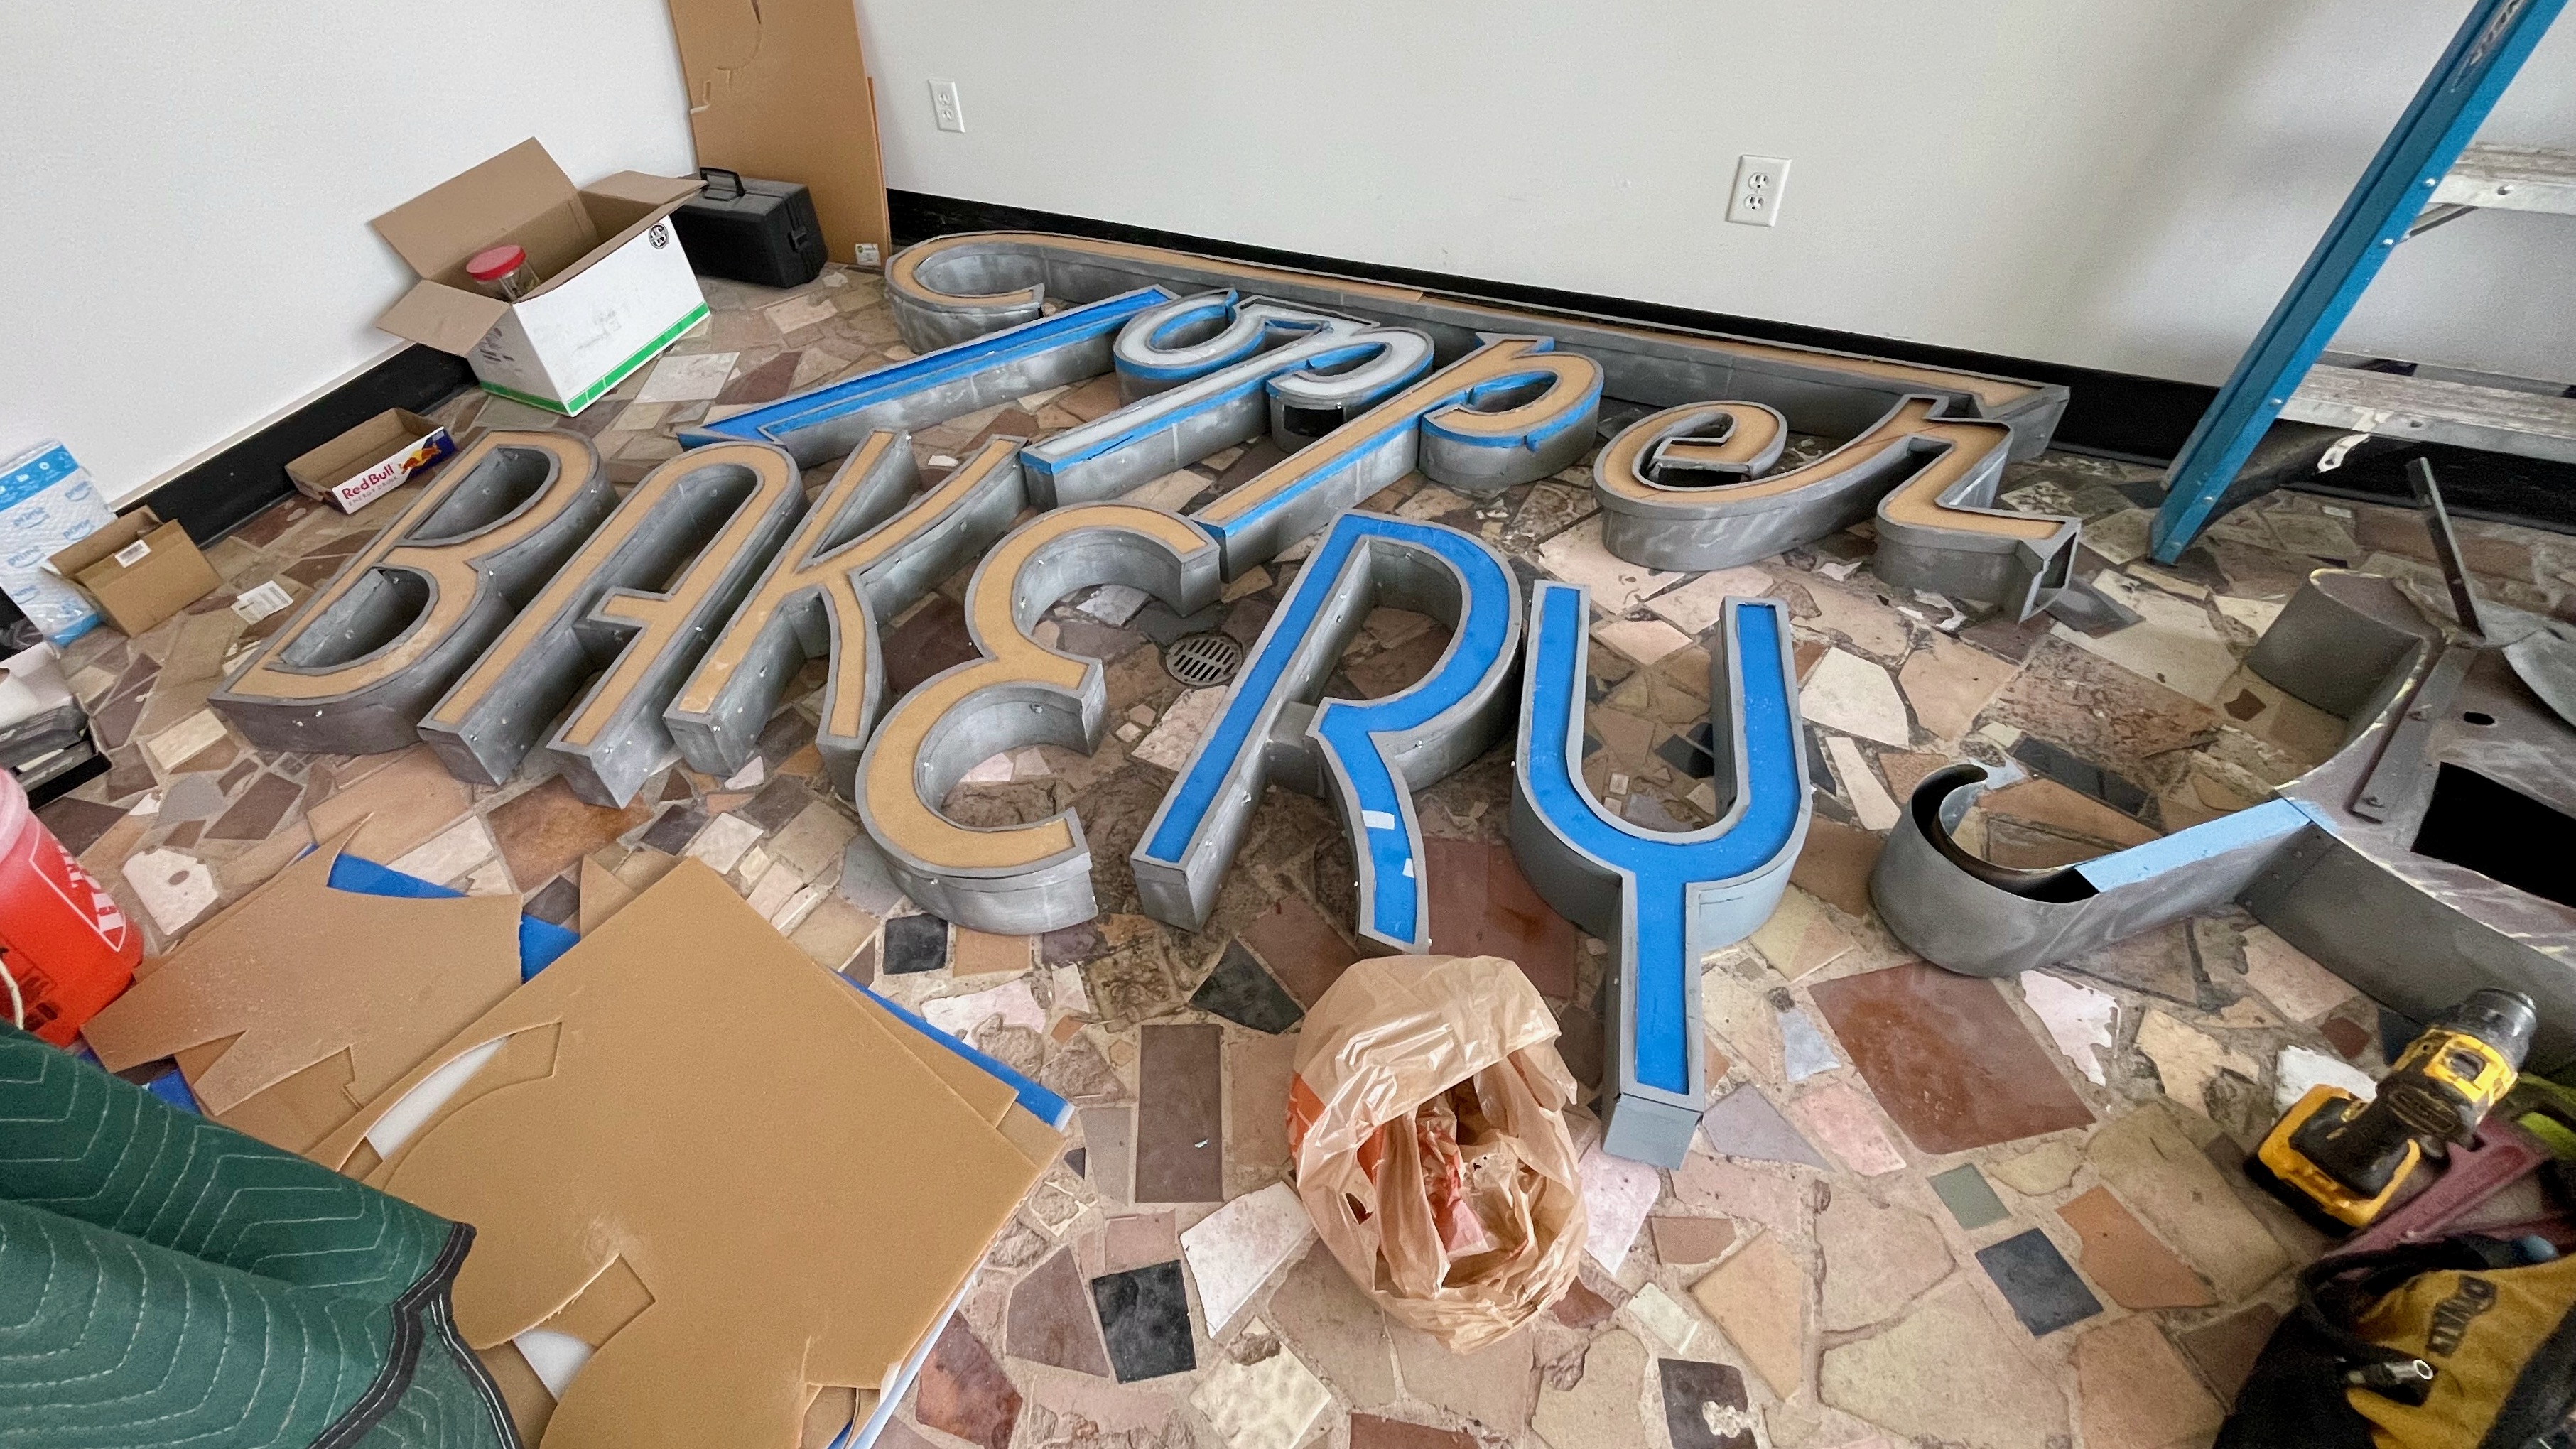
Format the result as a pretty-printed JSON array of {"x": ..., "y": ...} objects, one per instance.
[
  {"x": 971, "y": 1072},
  {"x": 299, "y": 1003},
  {"x": 684, "y": 1091}
]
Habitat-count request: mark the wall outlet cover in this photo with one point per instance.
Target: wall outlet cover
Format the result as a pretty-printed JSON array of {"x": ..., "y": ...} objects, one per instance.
[
  {"x": 1760, "y": 182},
  {"x": 945, "y": 105}
]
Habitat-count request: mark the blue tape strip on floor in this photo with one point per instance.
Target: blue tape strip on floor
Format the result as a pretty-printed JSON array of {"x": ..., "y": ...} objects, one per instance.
[{"x": 1042, "y": 1104}]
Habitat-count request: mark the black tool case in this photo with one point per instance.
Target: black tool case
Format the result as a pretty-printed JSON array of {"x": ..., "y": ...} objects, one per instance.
[{"x": 755, "y": 231}]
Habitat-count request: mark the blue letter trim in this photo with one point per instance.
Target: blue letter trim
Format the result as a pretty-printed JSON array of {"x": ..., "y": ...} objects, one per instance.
[
  {"x": 1375, "y": 753},
  {"x": 1664, "y": 900},
  {"x": 1070, "y": 346}
]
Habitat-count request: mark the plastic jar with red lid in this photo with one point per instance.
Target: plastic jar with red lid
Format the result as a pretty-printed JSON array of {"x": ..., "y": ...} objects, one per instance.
[{"x": 503, "y": 271}]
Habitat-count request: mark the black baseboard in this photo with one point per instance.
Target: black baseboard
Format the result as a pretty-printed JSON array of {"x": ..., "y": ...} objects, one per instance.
[
  {"x": 223, "y": 492},
  {"x": 227, "y": 490},
  {"x": 2118, "y": 414}
]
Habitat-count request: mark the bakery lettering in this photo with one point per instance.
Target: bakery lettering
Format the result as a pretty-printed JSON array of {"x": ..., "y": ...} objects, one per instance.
[{"x": 521, "y": 606}]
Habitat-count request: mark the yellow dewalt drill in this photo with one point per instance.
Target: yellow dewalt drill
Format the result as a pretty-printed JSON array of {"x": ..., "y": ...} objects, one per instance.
[{"x": 2337, "y": 1157}]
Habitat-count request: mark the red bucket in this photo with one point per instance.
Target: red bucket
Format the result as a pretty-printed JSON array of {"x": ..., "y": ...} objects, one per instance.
[{"x": 66, "y": 946}]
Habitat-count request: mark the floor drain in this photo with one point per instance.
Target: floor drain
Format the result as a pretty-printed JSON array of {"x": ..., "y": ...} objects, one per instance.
[{"x": 1200, "y": 660}]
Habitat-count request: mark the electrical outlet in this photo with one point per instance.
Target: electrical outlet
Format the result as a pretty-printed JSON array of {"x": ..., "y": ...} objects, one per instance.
[
  {"x": 1759, "y": 182},
  {"x": 945, "y": 105}
]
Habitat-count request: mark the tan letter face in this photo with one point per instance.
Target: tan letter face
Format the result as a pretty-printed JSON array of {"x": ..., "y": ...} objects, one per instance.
[
  {"x": 1682, "y": 489},
  {"x": 867, "y": 549},
  {"x": 621, "y": 624},
  {"x": 366, "y": 656},
  {"x": 1940, "y": 532},
  {"x": 1037, "y": 877}
]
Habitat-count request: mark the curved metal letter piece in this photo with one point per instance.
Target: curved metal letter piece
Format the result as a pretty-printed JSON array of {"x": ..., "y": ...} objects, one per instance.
[
  {"x": 1664, "y": 901},
  {"x": 631, "y": 611},
  {"x": 2352, "y": 863},
  {"x": 1207, "y": 372},
  {"x": 1375, "y": 753},
  {"x": 359, "y": 663},
  {"x": 977, "y": 372},
  {"x": 1682, "y": 489},
  {"x": 1513, "y": 410},
  {"x": 1987, "y": 920},
  {"x": 1035, "y": 877},
  {"x": 951, "y": 288},
  {"x": 866, "y": 550}
]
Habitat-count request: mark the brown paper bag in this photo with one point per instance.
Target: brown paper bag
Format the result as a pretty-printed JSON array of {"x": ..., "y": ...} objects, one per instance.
[{"x": 1427, "y": 1118}]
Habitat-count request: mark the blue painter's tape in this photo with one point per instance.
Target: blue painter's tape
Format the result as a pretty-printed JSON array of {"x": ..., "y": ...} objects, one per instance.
[
  {"x": 172, "y": 1088},
  {"x": 776, "y": 422},
  {"x": 1528, "y": 438},
  {"x": 169, "y": 1086},
  {"x": 1664, "y": 877},
  {"x": 1042, "y": 1104},
  {"x": 1220, "y": 308},
  {"x": 1233, "y": 386},
  {"x": 1377, "y": 798},
  {"x": 2260, "y": 825}
]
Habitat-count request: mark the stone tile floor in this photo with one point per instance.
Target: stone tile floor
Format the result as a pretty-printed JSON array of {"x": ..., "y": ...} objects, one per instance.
[{"x": 1926, "y": 1207}]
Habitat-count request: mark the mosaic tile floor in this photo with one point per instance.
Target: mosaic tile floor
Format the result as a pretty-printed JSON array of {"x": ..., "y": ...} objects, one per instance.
[{"x": 1925, "y": 1207}]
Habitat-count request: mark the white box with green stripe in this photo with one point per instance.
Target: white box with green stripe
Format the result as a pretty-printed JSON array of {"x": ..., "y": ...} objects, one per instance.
[{"x": 616, "y": 288}]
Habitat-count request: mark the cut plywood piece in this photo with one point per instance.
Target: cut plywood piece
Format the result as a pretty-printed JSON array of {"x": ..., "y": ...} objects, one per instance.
[
  {"x": 726, "y": 1168},
  {"x": 313, "y": 998},
  {"x": 602, "y": 896},
  {"x": 778, "y": 89}
]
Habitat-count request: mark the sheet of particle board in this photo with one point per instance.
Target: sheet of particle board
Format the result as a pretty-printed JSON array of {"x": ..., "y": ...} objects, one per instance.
[
  {"x": 733, "y": 1123},
  {"x": 299, "y": 1002},
  {"x": 779, "y": 90}
]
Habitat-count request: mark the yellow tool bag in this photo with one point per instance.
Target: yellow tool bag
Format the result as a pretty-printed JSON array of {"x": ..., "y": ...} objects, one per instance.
[{"x": 2458, "y": 1344}]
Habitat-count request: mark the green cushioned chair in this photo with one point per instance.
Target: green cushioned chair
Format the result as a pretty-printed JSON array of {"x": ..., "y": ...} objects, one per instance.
[{"x": 168, "y": 1282}]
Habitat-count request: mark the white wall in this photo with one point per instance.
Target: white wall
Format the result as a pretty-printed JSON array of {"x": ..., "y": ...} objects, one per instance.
[
  {"x": 184, "y": 250},
  {"x": 2126, "y": 184}
]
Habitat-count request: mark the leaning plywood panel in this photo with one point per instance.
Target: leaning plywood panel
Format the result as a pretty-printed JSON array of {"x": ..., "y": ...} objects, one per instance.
[{"x": 779, "y": 89}]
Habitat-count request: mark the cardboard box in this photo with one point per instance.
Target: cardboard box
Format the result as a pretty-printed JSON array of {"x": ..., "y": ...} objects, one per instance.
[
  {"x": 139, "y": 570},
  {"x": 781, "y": 89},
  {"x": 381, "y": 453},
  {"x": 617, "y": 287}
]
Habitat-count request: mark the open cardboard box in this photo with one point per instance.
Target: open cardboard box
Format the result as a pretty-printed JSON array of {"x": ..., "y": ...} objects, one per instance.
[
  {"x": 617, "y": 289},
  {"x": 139, "y": 570},
  {"x": 379, "y": 454}
]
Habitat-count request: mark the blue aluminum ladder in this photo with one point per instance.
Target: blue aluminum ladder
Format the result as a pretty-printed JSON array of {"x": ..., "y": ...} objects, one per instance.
[{"x": 2491, "y": 46}]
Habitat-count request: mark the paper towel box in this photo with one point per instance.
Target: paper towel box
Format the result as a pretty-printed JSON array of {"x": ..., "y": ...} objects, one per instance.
[{"x": 47, "y": 503}]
